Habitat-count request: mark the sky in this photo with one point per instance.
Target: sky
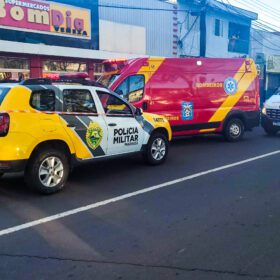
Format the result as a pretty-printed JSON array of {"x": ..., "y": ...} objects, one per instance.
[{"x": 268, "y": 10}]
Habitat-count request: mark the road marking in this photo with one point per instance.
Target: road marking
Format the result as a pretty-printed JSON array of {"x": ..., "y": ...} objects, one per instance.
[{"x": 129, "y": 195}]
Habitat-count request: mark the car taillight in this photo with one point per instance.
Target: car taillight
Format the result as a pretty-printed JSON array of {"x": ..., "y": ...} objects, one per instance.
[{"x": 4, "y": 124}]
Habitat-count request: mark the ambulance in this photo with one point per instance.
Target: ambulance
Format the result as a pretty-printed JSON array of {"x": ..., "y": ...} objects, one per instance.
[{"x": 196, "y": 95}]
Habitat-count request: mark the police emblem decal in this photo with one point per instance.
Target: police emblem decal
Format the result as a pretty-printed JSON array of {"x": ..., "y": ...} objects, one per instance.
[
  {"x": 94, "y": 135},
  {"x": 187, "y": 111}
]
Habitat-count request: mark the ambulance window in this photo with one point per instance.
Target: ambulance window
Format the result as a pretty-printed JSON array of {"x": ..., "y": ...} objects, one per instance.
[
  {"x": 132, "y": 88},
  {"x": 113, "y": 106},
  {"x": 108, "y": 80},
  {"x": 43, "y": 100},
  {"x": 78, "y": 101},
  {"x": 136, "y": 88},
  {"x": 123, "y": 88}
]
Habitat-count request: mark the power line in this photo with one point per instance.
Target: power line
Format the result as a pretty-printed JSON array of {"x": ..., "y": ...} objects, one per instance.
[
  {"x": 233, "y": 8},
  {"x": 191, "y": 28},
  {"x": 265, "y": 10},
  {"x": 192, "y": 43},
  {"x": 140, "y": 8},
  {"x": 264, "y": 23},
  {"x": 263, "y": 44},
  {"x": 251, "y": 34},
  {"x": 265, "y": 27},
  {"x": 264, "y": 38},
  {"x": 266, "y": 7}
]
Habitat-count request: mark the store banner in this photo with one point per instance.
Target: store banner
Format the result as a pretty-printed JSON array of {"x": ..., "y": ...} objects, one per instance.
[{"x": 45, "y": 17}]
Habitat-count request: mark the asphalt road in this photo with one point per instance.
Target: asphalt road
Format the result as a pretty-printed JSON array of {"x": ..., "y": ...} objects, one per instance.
[{"x": 221, "y": 224}]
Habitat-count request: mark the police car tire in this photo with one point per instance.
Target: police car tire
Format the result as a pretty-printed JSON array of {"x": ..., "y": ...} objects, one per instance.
[
  {"x": 148, "y": 151},
  {"x": 32, "y": 171},
  {"x": 238, "y": 123}
]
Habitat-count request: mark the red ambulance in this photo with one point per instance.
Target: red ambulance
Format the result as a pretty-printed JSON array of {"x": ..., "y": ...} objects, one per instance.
[{"x": 197, "y": 95}]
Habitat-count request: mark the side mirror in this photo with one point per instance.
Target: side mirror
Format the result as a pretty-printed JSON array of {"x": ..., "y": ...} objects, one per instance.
[{"x": 139, "y": 112}]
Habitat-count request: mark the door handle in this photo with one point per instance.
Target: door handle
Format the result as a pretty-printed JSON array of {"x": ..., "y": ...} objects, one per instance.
[
  {"x": 71, "y": 125},
  {"x": 112, "y": 124}
]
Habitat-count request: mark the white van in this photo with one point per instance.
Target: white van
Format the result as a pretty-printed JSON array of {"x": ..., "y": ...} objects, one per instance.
[{"x": 271, "y": 114}]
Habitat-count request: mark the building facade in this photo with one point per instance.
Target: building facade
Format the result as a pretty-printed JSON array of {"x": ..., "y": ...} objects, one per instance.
[
  {"x": 227, "y": 29},
  {"x": 35, "y": 36},
  {"x": 49, "y": 38},
  {"x": 140, "y": 27},
  {"x": 43, "y": 38}
]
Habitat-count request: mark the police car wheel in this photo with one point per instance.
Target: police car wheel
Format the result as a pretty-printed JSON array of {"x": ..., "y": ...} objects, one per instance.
[
  {"x": 157, "y": 149},
  {"x": 234, "y": 130},
  {"x": 47, "y": 172}
]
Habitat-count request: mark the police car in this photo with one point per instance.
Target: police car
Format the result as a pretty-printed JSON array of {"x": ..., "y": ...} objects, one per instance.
[
  {"x": 271, "y": 114},
  {"x": 45, "y": 128}
]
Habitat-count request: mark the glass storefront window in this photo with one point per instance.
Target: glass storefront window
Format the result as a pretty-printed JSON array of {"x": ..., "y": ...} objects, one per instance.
[
  {"x": 14, "y": 68},
  {"x": 98, "y": 69},
  {"x": 52, "y": 68}
]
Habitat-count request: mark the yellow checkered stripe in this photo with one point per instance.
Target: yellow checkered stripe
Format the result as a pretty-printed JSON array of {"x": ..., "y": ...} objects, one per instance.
[
  {"x": 151, "y": 68},
  {"x": 59, "y": 113}
]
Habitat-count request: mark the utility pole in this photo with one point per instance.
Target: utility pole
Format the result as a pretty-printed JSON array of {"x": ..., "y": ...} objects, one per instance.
[{"x": 203, "y": 28}]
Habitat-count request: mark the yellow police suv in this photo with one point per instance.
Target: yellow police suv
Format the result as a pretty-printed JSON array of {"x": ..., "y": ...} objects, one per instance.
[{"x": 45, "y": 128}]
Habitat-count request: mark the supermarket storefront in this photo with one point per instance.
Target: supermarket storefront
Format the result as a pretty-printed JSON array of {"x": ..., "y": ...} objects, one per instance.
[
  {"x": 42, "y": 38},
  {"x": 14, "y": 68},
  {"x": 18, "y": 67}
]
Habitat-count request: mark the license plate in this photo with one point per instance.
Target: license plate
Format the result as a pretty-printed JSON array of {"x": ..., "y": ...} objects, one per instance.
[{"x": 276, "y": 123}]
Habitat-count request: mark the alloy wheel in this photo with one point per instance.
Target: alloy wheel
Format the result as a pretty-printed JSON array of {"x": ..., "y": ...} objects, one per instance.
[
  {"x": 158, "y": 149},
  {"x": 51, "y": 172}
]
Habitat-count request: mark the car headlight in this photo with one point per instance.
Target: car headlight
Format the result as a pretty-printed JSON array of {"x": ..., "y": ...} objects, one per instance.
[{"x": 264, "y": 110}]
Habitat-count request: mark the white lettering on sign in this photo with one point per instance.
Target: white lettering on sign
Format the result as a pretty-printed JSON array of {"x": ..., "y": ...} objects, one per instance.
[
  {"x": 28, "y": 5},
  {"x": 40, "y": 17},
  {"x": 2, "y": 9},
  {"x": 17, "y": 13},
  {"x": 51, "y": 18}
]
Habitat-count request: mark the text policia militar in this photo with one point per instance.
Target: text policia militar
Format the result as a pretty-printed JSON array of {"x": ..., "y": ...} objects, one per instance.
[
  {"x": 128, "y": 136},
  {"x": 48, "y": 17}
]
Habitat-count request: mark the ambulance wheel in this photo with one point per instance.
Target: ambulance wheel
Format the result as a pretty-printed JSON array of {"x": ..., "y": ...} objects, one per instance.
[
  {"x": 234, "y": 130},
  {"x": 157, "y": 149},
  {"x": 271, "y": 131},
  {"x": 47, "y": 172}
]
